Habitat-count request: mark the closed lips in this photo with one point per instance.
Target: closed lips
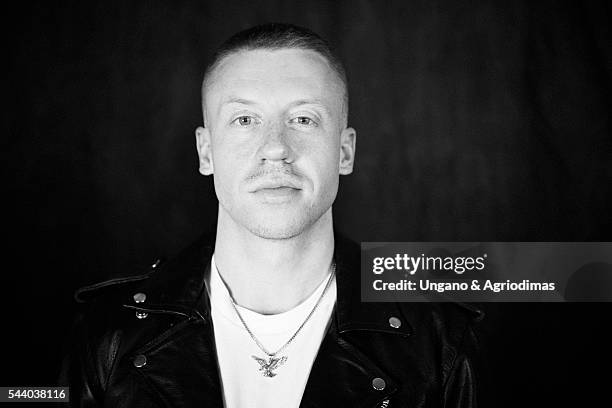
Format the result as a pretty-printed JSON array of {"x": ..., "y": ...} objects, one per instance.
[{"x": 274, "y": 184}]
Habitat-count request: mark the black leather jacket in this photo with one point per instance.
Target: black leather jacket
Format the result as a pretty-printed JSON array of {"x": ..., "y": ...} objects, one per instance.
[{"x": 161, "y": 352}]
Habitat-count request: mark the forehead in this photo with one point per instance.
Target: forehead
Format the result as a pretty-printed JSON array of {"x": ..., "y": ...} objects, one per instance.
[{"x": 280, "y": 75}]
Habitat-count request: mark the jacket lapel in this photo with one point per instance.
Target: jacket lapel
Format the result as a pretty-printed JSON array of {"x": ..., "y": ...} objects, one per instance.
[
  {"x": 342, "y": 374},
  {"x": 181, "y": 361}
]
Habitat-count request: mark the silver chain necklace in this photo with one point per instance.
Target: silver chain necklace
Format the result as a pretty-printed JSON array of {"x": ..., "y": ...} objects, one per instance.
[{"x": 273, "y": 362}]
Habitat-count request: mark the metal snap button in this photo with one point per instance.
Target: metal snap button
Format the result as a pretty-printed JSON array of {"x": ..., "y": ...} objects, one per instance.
[
  {"x": 140, "y": 297},
  {"x": 141, "y": 315},
  {"x": 379, "y": 384},
  {"x": 395, "y": 322},
  {"x": 140, "y": 361}
]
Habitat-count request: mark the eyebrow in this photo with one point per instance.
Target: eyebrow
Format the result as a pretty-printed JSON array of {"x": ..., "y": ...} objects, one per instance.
[
  {"x": 241, "y": 101},
  {"x": 315, "y": 101},
  {"x": 234, "y": 100}
]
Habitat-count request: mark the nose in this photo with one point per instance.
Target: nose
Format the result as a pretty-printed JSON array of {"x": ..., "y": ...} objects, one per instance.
[{"x": 275, "y": 147}]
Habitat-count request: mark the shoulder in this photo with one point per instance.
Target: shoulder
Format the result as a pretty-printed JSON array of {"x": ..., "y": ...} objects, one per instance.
[
  {"x": 444, "y": 330},
  {"x": 110, "y": 289},
  {"x": 117, "y": 316},
  {"x": 452, "y": 317},
  {"x": 177, "y": 281}
]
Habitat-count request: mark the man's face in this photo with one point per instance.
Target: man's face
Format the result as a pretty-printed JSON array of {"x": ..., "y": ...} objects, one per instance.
[{"x": 275, "y": 139}]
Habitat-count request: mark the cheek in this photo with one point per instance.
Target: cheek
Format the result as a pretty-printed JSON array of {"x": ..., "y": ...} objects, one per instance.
[
  {"x": 221, "y": 186},
  {"x": 318, "y": 146},
  {"x": 324, "y": 164},
  {"x": 226, "y": 172},
  {"x": 228, "y": 154}
]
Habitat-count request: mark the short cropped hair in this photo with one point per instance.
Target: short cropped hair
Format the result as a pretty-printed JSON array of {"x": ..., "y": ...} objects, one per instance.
[{"x": 276, "y": 36}]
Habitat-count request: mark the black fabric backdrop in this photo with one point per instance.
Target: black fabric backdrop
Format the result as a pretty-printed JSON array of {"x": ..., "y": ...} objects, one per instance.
[{"x": 477, "y": 121}]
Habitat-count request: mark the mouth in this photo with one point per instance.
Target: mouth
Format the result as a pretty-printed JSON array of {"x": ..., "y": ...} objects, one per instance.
[
  {"x": 282, "y": 190},
  {"x": 274, "y": 186},
  {"x": 275, "y": 193}
]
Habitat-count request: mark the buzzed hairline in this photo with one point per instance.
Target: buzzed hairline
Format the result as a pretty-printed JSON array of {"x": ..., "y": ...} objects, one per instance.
[{"x": 212, "y": 69}]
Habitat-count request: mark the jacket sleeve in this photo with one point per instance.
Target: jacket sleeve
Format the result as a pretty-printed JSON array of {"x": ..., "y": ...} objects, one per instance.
[{"x": 460, "y": 389}]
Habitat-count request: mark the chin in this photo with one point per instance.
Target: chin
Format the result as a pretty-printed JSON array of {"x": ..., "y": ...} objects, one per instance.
[
  {"x": 277, "y": 230},
  {"x": 279, "y": 224}
]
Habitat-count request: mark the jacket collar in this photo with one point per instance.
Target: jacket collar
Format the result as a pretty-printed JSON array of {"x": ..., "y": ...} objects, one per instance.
[
  {"x": 351, "y": 313},
  {"x": 179, "y": 287}
]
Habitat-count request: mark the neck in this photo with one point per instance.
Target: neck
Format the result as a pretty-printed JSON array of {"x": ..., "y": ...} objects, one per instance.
[{"x": 272, "y": 276}]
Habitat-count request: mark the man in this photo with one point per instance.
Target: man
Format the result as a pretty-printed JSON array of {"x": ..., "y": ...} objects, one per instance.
[{"x": 268, "y": 313}]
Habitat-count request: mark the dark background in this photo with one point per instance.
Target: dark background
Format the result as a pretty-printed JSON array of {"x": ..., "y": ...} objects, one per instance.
[{"x": 477, "y": 121}]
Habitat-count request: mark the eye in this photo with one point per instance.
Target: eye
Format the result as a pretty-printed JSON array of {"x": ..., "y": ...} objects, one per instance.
[
  {"x": 243, "y": 121},
  {"x": 303, "y": 120}
]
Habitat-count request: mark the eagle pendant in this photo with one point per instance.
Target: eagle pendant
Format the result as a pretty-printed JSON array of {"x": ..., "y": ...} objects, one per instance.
[{"x": 272, "y": 364}]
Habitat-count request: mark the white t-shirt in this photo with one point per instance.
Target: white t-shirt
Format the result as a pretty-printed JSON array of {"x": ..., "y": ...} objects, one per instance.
[{"x": 244, "y": 385}]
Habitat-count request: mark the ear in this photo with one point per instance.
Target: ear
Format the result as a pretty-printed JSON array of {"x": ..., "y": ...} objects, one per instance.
[
  {"x": 203, "y": 146},
  {"x": 347, "y": 150}
]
